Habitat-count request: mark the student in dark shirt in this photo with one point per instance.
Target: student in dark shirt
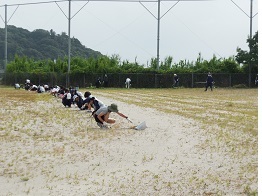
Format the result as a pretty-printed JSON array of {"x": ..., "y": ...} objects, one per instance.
[{"x": 209, "y": 81}]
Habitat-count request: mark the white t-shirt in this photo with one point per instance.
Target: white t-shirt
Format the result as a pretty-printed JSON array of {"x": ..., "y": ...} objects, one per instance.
[
  {"x": 80, "y": 94},
  {"x": 68, "y": 96},
  {"x": 128, "y": 80},
  {"x": 42, "y": 89}
]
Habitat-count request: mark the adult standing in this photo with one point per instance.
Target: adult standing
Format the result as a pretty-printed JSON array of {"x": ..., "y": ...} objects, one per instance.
[
  {"x": 209, "y": 81},
  {"x": 98, "y": 82},
  {"x": 256, "y": 81},
  {"x": 128, "y": 83},
  {"x": 105, "y": 81},
  {"x": 176, "y": 80}
]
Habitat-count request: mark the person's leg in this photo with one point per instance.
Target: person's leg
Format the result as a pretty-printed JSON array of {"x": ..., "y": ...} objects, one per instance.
[
  {"x": 111, "y": 121},
  {"x": 99, "y": 123},
  {"x": 97, "y": 120},
  {"x": 64, "y": 102},
  {"x": 69, "y": 103},
  {"x": 208, "y": 86}
]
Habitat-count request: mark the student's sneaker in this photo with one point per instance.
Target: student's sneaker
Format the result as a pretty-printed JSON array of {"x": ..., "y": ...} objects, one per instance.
[
  {"x": 105, "y": 127},
  {"x": 102, "y": 126}
]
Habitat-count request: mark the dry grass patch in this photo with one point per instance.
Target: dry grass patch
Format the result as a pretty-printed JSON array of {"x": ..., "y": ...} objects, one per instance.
[
  {"x": 231, "y": 108},
  {"x": 63, "y": 146},
  {"x": 228, "y": 116}
]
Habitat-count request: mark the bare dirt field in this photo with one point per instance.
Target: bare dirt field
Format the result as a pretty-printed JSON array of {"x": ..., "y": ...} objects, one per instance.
[{"x": 196, "y": 143}]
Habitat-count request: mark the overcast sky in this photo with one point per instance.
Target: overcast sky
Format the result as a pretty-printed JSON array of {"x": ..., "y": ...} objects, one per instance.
[{"x": 129, "y": 29}]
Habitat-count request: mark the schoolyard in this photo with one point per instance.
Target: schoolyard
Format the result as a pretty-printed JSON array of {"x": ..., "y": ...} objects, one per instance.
[{"x": 196, "y": 143}]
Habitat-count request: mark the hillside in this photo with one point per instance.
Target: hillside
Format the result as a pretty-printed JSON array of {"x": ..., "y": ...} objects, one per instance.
[{"x": 40, "y": 44}]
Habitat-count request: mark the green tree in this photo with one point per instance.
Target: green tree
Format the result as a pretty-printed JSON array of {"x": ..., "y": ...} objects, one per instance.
[
  {"x": 249, "y": 58},
  {"x": 229, "y": 66},
  {"x": 41, "y": 44},
  {"x": 166, "y": 65}
]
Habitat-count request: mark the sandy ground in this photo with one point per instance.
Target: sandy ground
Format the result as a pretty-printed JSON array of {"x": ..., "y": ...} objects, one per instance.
[{"x": 70, "y": 155}]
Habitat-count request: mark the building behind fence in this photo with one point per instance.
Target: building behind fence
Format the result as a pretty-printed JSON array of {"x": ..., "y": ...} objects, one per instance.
[{"x": 138, "y": 80}]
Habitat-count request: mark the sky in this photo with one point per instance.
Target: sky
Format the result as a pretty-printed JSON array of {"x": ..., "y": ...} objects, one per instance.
[{"x": 129, "y": 29}]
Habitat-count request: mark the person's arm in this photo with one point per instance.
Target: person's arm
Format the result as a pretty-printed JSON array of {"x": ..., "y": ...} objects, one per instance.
[
  {"x": 122, "y": 115},
  {"x": 86, "y": 103}
]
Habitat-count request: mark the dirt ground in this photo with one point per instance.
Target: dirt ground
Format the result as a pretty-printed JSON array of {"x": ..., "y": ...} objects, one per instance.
[{"x": 47, "y": 149}]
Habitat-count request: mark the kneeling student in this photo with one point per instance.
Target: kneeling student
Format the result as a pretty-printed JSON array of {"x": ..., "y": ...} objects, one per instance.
[{"x": 102, "y": 115}]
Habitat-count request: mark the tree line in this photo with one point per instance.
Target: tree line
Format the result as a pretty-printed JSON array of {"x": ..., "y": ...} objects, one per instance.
[
  {"x": 40, "y": 44},
  {"x": 85, "y": 60}
]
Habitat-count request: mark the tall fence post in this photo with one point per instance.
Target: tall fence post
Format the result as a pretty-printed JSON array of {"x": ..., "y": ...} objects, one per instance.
[
  {"x": 192, "y": 80},
  {"x": 155, "y": 81},
  {"x": 230, "y": 80}
]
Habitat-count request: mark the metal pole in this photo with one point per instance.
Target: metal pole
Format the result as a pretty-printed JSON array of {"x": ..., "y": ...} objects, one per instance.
[
  {"x": 5, "y": 64},
  {"x": 69, "y": 44},
  {"x": 158, "y": 33},
  {"x": 250, "y": 37},
  {"x": 251, "y": 17}
]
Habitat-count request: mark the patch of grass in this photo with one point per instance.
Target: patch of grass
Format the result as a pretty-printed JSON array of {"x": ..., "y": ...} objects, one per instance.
[
  {"x": 25, "y": 178},
  {"x": 238, "y": 107},
  {"x": 227, "y": 117}
]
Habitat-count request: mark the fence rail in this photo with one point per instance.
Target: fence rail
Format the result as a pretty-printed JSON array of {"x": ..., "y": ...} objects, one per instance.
[{"x": 138, "y": 80}]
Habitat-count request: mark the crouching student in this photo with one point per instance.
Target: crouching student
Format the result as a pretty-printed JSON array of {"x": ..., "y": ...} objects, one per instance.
[
  {"x": 86, "y": 99},
  {"x": 93, "y": 102},
  {"x": 67, "y": 98},
  {"x": 102, "y": 115},
  {"x": 40, "y": 89},
  {"x": 78, "y": 100},
  {"x": 17, "y": 86}
]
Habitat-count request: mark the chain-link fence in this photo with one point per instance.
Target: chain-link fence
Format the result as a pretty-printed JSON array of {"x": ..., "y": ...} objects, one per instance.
[{"x": 138, "y": 80}]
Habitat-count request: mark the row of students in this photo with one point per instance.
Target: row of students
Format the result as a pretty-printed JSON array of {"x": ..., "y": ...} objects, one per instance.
[{"x": 100, "y": 111}]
